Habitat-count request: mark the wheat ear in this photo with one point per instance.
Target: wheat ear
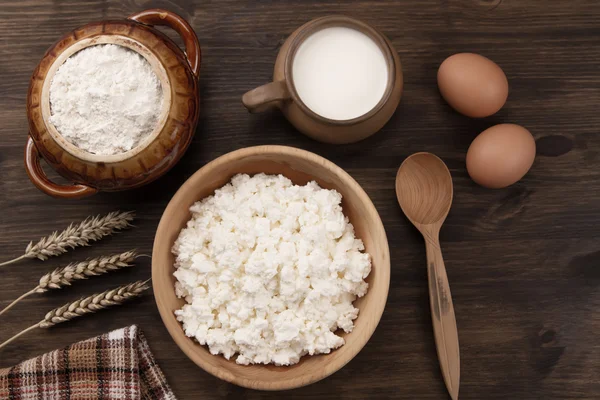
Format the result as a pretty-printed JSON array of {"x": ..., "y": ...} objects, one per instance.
[
  {"x": 89, "y": 230},
  {"x": 64, "y": 276},
  {"x": 87, "y": 305}
]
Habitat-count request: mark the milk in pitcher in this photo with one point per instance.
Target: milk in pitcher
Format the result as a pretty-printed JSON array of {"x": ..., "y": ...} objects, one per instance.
[{"x": 340, "y": 73}]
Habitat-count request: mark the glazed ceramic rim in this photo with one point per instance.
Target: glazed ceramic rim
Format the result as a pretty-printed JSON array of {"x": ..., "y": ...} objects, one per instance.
[
  {"x": 189, "y": 345},
  {"x": 319, "y": 24},
  {"x": 157, "y": 68}
]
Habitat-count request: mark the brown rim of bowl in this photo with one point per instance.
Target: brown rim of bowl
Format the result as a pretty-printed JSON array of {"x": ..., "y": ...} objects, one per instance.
[
  {"x": 158, "y": 282},
  {"x": 348, "y": 22},
  {"x": 132, "y": 45}
]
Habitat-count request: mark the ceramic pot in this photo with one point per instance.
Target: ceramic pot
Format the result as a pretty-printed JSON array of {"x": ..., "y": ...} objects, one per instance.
[
  {"x": 178, "y": 73},
  {"x": 282, "y": 93}
]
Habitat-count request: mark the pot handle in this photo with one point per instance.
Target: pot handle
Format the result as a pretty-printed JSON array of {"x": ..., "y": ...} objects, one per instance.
[
  {"x": 41, "y": 181},
  {"x": 266, "y": 96},
  {"x": 158, "y": 16}
]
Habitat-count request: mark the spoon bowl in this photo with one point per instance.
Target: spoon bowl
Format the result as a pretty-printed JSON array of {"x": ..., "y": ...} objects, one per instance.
[{"x": 424, "y": 191}]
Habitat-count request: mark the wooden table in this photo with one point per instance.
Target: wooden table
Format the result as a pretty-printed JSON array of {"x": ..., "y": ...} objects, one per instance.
[{"x": 523, "y": 262}]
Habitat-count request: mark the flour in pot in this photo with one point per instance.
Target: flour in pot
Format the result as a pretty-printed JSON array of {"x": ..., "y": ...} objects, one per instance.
[
  {"x": 269, "y": 270},
  {"x": 105, "y": 99}
]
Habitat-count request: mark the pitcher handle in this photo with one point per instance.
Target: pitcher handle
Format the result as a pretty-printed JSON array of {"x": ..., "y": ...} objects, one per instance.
[{"x": 265, "y": 96}]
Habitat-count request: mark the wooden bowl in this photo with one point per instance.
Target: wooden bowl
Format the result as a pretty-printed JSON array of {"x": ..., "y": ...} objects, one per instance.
[
  {"x": 301, "y": 167},
  {"x": 178, "y": 73}
]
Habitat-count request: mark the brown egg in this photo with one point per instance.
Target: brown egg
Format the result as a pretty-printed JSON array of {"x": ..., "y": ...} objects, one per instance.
[
  {"x": 500, "y": 155},
  {"x": 472, "y": 84}
]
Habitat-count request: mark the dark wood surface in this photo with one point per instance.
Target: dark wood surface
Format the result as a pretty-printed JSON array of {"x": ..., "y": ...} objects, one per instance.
[{"x": 523, "y": 262}]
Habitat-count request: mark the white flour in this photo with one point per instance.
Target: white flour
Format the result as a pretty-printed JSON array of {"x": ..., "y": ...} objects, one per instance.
[{"x": 105, "y": 99}]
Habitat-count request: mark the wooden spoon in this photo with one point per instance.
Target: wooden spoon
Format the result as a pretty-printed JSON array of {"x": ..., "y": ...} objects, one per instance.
[{"x": 424, "y": 191}]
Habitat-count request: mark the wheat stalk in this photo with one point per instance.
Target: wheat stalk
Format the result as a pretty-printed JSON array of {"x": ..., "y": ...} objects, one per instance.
[
  {"x": 89, "y": 230},
  {"x": 64, "y": 276},
  {"x": 87, "y": 305}
]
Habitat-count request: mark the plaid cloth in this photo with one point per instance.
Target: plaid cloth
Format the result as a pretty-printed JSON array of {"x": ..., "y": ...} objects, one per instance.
[{"x": 116, "y": 365}]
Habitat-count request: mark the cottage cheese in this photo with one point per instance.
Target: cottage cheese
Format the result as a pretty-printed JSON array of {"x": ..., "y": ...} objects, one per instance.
[{"x": 269, "y": 270}]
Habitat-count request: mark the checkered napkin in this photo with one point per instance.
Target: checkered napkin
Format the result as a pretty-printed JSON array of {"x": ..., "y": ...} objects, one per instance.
[{"x": 116, "y": 365}]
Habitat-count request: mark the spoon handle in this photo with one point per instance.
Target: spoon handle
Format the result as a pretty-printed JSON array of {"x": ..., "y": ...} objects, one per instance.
[{"x": 442, "y": 315}]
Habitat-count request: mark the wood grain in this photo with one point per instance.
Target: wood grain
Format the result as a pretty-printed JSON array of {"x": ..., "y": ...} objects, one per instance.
[{"x": 523, "y": 261}]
